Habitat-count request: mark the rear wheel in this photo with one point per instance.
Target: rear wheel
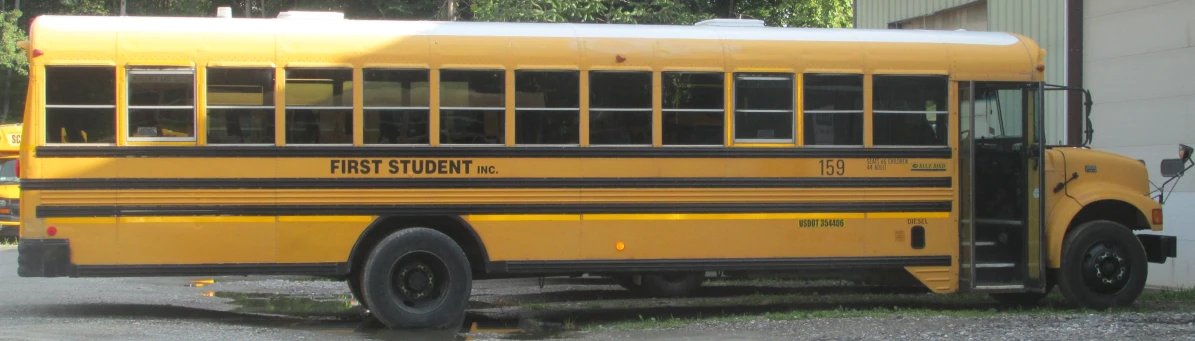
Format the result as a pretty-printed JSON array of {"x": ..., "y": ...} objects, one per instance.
[
  {"x": 1103, "y": 265},
  {"x": 417, "y": 278}
]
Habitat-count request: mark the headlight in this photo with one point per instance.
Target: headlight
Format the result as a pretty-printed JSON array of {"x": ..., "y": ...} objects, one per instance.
[{"x": 3, "y": 202}]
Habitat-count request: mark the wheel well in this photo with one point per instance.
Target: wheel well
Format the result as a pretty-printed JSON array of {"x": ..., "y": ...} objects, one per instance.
[
  {"x": 1114, "y": 210},
  {"x": 452, "y": 226}
]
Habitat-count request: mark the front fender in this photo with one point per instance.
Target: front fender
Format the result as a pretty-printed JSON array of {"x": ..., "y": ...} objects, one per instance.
[{"x": 1061, "y": 216}]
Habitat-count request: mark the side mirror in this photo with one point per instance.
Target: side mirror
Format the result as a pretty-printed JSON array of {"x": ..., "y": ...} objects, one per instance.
[{"x": 1173, "y": 167}]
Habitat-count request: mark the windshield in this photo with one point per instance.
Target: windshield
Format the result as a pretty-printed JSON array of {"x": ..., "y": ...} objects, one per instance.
[{"x": 8, "y": 171}]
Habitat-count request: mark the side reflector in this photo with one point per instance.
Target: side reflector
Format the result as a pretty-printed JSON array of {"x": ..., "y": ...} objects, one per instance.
[
  {"x": 1157, "y": 216},
  {"x": 620, "y": 246},
  {"x": 51, "y": 231}
]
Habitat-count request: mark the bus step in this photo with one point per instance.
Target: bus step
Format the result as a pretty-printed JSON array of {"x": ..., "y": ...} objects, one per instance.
[
  {"x": 1000, "y": 222},
  {"x": 995, "y": 265},
  {"x": 1012, "y": 287},
  {"x": 980, "y": 244}
]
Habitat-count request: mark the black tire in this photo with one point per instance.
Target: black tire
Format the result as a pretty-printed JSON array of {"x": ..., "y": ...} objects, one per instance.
[
  {"x": 354, "y": 283},
  {"x": 1103, "y": 266},
  {"x": 417, "y": 278},
  {"x": 680, "y": 284}
]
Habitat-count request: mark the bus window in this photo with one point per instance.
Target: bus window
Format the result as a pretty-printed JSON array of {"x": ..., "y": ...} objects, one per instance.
[
  {"x": 547, "y": 107},
  {"x": 763, "y": 108},
  {"x": 396, "y": 106},
  {"x": 472, "y": 107},
  {"x": 619, "y": 108},
  {"x": 910, "y": 111},
  {"x": 833, "y": 110},
  {"x": 161, "y": 104},
  {"x": 240, "y": 106},
  {"x": 80, "y": 104},
  {"x": 319, "y": 106},
  {"x": 693, "y": 108},
  {"x": 8, "y": 171}
]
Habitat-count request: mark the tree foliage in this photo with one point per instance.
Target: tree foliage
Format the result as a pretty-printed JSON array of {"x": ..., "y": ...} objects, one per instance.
[{"x": 12, "y": 57}]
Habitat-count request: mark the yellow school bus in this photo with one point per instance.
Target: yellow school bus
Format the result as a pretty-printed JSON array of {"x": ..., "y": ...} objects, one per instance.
[
  {"x": 10, "y": 192},
  {"x": 409, "y": 158}
]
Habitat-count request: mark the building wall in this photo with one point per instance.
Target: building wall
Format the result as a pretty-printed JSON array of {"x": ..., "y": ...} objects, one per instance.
[
  {"x": 1139, "y": 63},
  {"x": 879, "y": 13}
]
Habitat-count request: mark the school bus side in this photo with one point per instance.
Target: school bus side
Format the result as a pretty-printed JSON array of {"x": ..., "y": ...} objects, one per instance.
[
  {"x": 10, "y": 192},
  {"x": 117, "y": 204}
]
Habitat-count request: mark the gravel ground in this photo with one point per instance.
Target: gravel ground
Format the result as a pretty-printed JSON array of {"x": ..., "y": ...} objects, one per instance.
[{"x": 1142, "y": 326}]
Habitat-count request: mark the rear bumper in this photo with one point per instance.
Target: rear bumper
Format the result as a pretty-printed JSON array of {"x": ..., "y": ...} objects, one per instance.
[
  {"x": 44, "y": 258},
  {"x": 1158, "y": 248}
]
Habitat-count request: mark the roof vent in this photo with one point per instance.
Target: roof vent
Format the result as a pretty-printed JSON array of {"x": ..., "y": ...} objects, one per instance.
[
  {"x": 224, "y": 12},
  {"x": 310, "y": 15},
  {"x": 731, "y": 22}
]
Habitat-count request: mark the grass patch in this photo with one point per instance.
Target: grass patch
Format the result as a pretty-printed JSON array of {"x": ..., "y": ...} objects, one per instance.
[{"x": 8, "y": 241}]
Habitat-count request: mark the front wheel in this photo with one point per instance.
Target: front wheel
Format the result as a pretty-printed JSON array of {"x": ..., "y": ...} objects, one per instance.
[
  {"x": 417, "y": 278},
  {"x": 1103, "y": 265}
]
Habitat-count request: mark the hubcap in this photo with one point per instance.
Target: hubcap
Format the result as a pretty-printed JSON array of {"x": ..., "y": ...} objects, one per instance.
[
  {"x": 419, "y": 281},
  {"x": 1106, "y": 268}
]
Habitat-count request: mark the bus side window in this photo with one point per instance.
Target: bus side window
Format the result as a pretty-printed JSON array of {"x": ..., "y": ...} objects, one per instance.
[
  {"x": 319, "y": 106},
  {"x": 910, "y": 110},
  {"x": 833, "y": 109},
  {"x": 547, "y": 107},
  {"x": 763, "y": 108},
  {"x": 240, "y": 106},
  {"x": 693, "y": 108},
  {"x": 472, "y": 107},
  {"x": 397, "y": 106},
  {"x": 620, "y": 108},
  {"x": 161, "y": 104},
  {"x": 80, "y": 104}
]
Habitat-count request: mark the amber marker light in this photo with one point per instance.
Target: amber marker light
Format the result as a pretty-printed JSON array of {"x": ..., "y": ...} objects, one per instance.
[
  {"x": 1157, "y": 216},
  {"x": 620, "y": 246}
]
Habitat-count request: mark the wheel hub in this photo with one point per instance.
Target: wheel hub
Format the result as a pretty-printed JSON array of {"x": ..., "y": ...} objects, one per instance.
[
  {"x": 419, "y": 281},
  {"x": 1106, "y": 268}
]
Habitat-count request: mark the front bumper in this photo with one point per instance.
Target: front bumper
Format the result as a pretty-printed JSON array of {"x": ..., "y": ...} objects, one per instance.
[
  {"x": 44, "y": 258},
  {"x": 1158, "y": 247}
]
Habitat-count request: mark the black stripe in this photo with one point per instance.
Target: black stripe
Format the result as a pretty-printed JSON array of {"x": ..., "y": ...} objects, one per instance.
[
  {"x": 311, "y": 269},
  {"x": 717, "y": 264},
  {"x": 457, "y": 183},
  {"x": 424, "y": 210},
  {"x": 491, "y": 152}
]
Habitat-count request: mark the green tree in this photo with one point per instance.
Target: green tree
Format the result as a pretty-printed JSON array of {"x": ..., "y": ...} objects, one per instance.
[{"x": 798, "y": 13}]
